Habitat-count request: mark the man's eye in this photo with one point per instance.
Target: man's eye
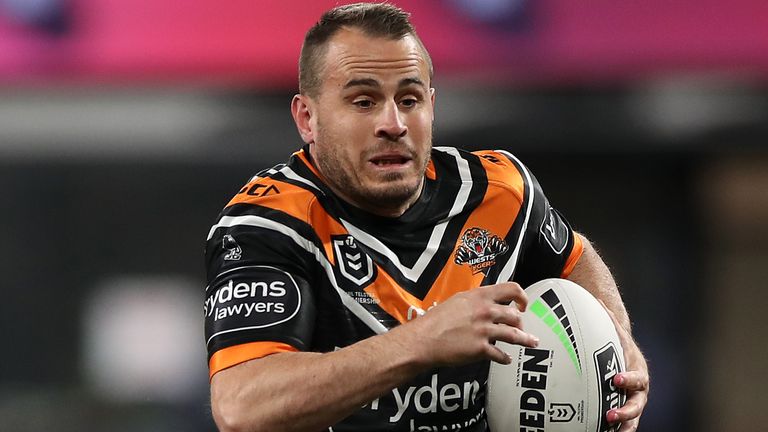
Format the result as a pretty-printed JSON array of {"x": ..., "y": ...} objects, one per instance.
[
  {"x": 409, "y": 102},
  {"x": 363, "y": 103}
]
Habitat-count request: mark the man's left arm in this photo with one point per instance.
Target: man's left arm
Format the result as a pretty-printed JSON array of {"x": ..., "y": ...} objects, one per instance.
[{"x": 591, "y": 273}]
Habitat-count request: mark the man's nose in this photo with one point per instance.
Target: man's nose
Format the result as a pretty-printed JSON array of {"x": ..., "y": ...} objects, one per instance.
[{"x": 391, "y": 124}]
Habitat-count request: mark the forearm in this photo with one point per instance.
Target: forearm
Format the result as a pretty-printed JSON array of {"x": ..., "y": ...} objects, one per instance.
[
  {"x": 310, "y": 391},
  {"x": 591, "y": 273}
]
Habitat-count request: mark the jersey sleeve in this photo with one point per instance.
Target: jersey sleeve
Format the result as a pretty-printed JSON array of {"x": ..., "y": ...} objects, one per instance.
[
  {"x": 258, "y": 300},
  {"x": 550, "y": 247}
]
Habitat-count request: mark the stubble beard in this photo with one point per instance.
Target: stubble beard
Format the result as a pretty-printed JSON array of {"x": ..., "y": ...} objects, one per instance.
[{"x": 390, "y": 194}]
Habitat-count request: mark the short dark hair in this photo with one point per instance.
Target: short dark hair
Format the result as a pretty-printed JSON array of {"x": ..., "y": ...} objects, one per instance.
[{"x": 373, "y": 19}]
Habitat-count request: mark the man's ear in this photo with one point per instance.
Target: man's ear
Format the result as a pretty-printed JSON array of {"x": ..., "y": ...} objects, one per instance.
[
  {"x": 302, "y": 112},
  {"x": 432, "y": 100}
]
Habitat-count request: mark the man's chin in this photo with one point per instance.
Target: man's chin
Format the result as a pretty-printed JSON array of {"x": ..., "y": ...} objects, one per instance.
[{"x": 393, "y": 194}]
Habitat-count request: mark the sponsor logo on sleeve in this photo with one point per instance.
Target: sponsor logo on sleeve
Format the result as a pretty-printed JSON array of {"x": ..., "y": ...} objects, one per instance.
[
  {"x": 479, "y": 249},
  {"x": 251, "y": 297},
  {"x": 554, "y": 230},
  {"x": 259, "y": 190},
  {"x": 491, "y": 158},
  {"x": 234, "y": 252}
]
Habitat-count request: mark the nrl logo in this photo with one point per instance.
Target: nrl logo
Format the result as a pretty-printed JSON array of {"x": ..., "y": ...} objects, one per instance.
[
  {"x": 353, "y": 263},
  {"x": 479, "y": 249}
]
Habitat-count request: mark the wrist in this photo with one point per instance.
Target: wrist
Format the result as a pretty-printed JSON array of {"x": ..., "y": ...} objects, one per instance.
[{"x": 412, "y": 352}]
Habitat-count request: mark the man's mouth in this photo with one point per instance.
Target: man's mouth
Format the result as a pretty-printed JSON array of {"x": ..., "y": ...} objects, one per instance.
[{"x": 389, "y": 160}]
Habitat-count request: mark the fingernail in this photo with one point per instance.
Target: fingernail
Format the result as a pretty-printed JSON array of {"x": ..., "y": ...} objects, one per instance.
[
  {"x": 535, "y": 341},
  {"x": 619, "y": 379},
  {"x": 612, "y": 416}
]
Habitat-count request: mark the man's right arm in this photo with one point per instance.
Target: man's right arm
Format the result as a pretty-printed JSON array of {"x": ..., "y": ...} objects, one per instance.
[{"x": 306, "y": 391}]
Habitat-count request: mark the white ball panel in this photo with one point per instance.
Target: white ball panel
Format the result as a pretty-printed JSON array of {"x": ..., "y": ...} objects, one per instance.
[{"x": 565, "y": 384}]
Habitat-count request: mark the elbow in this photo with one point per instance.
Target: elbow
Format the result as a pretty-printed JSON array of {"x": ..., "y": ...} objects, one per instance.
[
  {"x": 232, "y": 414},
  {"x": 227, "y": 416},
  {"x": 242, "y": 402}
]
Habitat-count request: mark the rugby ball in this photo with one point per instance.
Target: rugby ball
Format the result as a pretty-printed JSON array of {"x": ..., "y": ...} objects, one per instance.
[{"x": 566, "y": 383}]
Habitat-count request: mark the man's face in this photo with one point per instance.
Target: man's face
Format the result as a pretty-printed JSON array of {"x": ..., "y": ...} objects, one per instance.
[{"x": 370, "y": 124}]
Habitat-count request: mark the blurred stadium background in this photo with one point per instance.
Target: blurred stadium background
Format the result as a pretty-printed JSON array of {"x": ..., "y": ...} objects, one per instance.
[{"x": 126, "y": 125}]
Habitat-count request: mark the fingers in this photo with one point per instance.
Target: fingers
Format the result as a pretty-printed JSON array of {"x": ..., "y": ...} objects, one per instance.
[
  {"x": 496, "y": 354},
  {"x": 507, "y": 326},
  {"x": 512, "y": 335},
  {"x": 466, "y": 326},
  {"x": 628, "y": 415},
  {"x": 507, "y": 292},
  {"x": 503, "y": 314},
  {"x": 630, "y": 410},
  {"x": 635, "y": 381},
  {"x": 636, "y": 385},
  {"x": 631, "y": 381},
  {"x": 506, "y": 319}
]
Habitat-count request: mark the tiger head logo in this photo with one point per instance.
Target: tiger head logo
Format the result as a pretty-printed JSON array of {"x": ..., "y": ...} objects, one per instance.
[
  {"x": 479, "y": 249},
  {"x": 475, "y": 240}
]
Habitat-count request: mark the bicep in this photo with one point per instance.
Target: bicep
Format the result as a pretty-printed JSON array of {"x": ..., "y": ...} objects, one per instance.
[
  {"x": 551, "y": 247},
  {"x": 254, "y": 311}
]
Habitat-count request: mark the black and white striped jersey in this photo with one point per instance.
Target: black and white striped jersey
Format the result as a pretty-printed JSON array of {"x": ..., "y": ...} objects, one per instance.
[{"x": 292, "y": 267}]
